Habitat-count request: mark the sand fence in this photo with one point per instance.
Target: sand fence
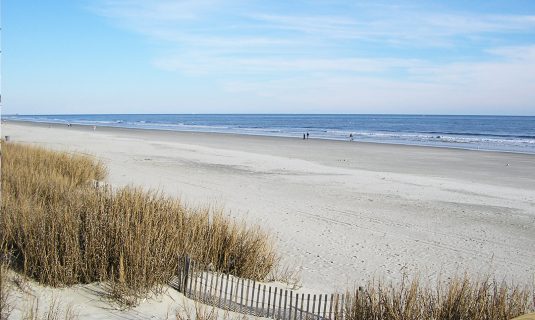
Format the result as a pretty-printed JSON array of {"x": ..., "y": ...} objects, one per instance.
[{"x": 246, "y": 296}]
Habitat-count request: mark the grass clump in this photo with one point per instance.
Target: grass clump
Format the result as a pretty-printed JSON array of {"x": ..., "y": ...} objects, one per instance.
[
  {"x": 454, "y": 299},
  {"x": 64, "y": 229}
]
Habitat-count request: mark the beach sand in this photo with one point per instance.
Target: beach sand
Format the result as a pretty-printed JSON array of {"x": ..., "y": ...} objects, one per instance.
[{"x": 341, "y": 212}]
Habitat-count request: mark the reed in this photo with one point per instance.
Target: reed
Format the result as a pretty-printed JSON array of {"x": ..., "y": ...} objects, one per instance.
[
  {"x": 456, "y": 298},
  {"x": 63, "y": 228}
]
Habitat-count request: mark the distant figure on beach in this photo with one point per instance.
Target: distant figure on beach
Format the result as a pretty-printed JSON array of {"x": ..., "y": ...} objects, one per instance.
[
  {"x": 307, "y": 135},
  {"x": 304, "y": 137},
  {"x": 68, "y": 124},
  {"x": 351, "y": 137},
  {"x": 94, "y": 128}
]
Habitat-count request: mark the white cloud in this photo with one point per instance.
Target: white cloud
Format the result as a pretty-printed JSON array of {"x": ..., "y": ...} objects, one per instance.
[
  {"x": 314, "y": 59},
  {"x": 488, "y": 87}
]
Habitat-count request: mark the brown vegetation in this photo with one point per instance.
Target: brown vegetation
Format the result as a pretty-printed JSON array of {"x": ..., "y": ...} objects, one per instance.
[
  {"x": 62, "y": 228},
  {"x": 457, "y": 298}
]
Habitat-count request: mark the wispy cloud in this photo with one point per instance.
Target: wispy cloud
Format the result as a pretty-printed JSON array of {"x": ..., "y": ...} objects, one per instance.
[
  {"x": 175, "y": 21},
  {"x": 367, "y": 55}
]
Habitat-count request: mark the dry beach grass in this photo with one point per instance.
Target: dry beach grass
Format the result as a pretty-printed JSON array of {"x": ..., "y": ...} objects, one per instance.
[
  {"x": 455, "y": 298},
  {"x": 61, "y": 228}
]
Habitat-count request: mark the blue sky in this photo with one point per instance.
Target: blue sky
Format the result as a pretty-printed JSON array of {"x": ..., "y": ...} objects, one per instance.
[{"x": 234, "y": 56}]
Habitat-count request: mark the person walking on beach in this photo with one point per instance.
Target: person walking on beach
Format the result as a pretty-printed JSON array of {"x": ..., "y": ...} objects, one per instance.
[
  {"x": 304, "y": 137},
  {"x": 307, "y": 135},
  {"x": 351, "y": 137}
]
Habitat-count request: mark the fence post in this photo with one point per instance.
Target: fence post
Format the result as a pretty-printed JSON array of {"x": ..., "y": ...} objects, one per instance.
[
  {"x": 231, "y": 291},
  {"x": 196, "y": 280},
  {"x": 280, "y": 300},
  {"x": 241, "y": 295},
  {"x": 313, "y": 304},
  {"x": 191, "y": 267},
  {"x": 301, "y": 309},
  {"x": 204, "y": 277},
  {"x": 226, "y": 292},
  {"x": 252, "y": 296},
  {"x": 185, "y": 274},
  {"x": 210, "y": 295},
  {"x": 319, "y": 306},
  {"x": 263, "y": 298},
  {"x": 269, "y": 300},
  {"x": 331, "y": 307},
  {"x": 257, "y": 297},
  {"x": 213, "y": 289},
  {"x": 285, "y": 304},
  {"x": 342, "y": 307},
  {"x": 325, "y": 306},
  {"x": 220, "y": 288},
  {"x": 296, "y": 305},
  {"x": 290, "y": 309}
]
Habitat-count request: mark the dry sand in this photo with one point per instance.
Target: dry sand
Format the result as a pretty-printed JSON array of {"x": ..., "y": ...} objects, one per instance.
[{"x": 341, "y": 211}]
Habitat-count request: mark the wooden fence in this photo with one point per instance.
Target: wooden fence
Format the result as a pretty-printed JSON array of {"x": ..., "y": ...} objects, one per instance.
[{"x": 245, "y": 296}]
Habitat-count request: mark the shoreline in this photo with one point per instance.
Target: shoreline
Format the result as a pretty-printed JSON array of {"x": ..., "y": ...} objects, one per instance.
[
  {"x": 340, "y": 212},
  {"x": 44, "y": 123}
]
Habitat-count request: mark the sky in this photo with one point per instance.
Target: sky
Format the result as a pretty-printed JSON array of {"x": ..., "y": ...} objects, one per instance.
[{"x": 234, "y": 56}]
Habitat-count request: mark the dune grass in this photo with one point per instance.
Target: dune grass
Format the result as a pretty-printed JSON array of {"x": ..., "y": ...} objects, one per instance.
[
  {"x": 453, "y": 299},
  {"x": 62, "y": 228}
]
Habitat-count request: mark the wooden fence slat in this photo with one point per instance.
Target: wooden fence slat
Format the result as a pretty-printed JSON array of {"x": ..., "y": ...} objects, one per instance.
[
  {"x": 221, "y": 276},
  {"x": 204, "y": 277},
  {"x": 301, "y": 309},
  {"x": 195, "y": 293},
  {"x": 269, "y": 300},
  {"x": 342, "y": 307},
  {"x": 257, "y": 297},
  {"x": 238, "y": 295},
  {"x": 207, "y": 287},
  {"x": 213, "y": 290},
  {"x": 210, "y": 295},
  {"x": 226, "y": 292},
  {"x": 308, "y": 304},
  {"x": 296, "y": 305},
  {"x": 191, "y": 266},
  {"x": 319, "y": 306},
  {"x": 285, "y": 304},
  {"x": 201, "y": 283},
  {"x": 263, "y": 299},
  {"x": 243, "y": 298},
  {"x": 247, "y": 295},
  {"x": 331, "y": 307},
  {"x": 313, "y": 304},
  {"x": 325, "y": 306},
  {"x": 251, "y": 306},
  {"x": 182, "y": 268},
  {"x": 280, "y": 304},
  {"x": 274, "y": 301},
  {"x": 290, "y": 309},
  {"x": 231, "y": 291}
]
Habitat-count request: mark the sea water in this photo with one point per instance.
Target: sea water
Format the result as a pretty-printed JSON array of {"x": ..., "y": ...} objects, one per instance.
[{"x": 497, "y": 133}]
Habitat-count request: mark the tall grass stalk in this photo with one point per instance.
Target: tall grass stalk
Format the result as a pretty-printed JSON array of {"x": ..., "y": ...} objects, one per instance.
[
  {"x": 63, "y": 228},
  {"x": 455, "y": 299}
]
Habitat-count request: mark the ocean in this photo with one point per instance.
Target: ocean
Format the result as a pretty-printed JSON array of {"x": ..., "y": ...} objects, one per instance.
[{"x": 496, "y": 133}]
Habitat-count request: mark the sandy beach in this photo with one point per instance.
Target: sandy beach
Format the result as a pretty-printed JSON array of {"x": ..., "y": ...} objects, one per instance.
[{"x": 341, "y": 212}]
